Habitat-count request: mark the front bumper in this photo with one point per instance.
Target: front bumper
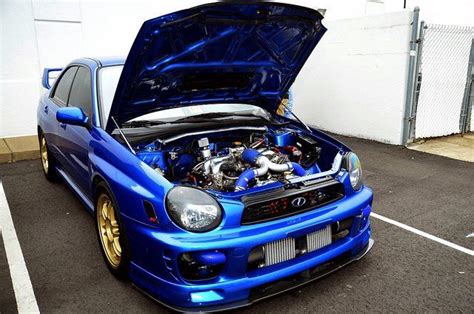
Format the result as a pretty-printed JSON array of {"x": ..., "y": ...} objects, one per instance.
[
  {"x": 266, "y": 291},
  {"x": 158, "y": 276}
]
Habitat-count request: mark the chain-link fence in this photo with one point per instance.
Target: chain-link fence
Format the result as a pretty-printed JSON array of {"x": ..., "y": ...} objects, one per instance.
[{"x": 442, "y": 79}]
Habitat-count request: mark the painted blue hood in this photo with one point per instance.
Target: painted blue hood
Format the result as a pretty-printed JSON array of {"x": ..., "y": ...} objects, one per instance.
[{"x": 216, "y": 53}]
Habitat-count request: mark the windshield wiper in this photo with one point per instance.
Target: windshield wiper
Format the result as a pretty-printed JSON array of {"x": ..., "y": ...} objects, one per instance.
[
  {"x": 142, "y": 123},
  {"x": 205, "y": 117}
]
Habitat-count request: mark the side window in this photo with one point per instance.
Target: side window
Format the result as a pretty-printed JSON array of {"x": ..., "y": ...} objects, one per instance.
[
  {"x": 81, "y": 92},
  {"x": 61, "y": 91}
]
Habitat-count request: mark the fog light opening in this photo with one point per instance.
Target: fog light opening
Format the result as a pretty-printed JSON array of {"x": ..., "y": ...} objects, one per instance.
[
  {"x": 256, "y": 258},
  {"x": 201, "y": 265},
  {"x": 341, "y": 228}
]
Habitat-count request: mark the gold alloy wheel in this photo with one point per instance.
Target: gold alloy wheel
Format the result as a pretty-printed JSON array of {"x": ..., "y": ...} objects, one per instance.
[
  {"x": 44, "y": 155},
  {"x": 109, "y": 230}
]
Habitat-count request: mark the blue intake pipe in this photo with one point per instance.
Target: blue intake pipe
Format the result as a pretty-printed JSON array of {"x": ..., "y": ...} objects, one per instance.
[
  {"x": 250, "y": 155},
  {"x": 244, "y": 179},
  {"x": 298, "y": 169},
  {"x": 254, "y": 157}
]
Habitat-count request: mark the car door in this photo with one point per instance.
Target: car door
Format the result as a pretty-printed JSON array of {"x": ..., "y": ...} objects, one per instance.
[
  {"x": 58, "y": 98},
  {"x": 74, "y": 140}
]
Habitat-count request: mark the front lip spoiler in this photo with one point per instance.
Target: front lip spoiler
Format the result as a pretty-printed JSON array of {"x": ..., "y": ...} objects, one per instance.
[{"x": 334, "y": 265}]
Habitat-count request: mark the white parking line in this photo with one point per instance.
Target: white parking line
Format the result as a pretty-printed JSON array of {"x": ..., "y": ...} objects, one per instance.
[
  {"x": 423, "y": 234},
  {"x": 25, "y": 297}
]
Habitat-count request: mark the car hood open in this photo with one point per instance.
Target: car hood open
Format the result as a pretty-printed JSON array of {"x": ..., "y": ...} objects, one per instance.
[{"x": 216, "y": 53}]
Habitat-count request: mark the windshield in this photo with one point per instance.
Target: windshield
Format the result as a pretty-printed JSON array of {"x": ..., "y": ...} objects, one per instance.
[{"x": 108, "y": 80}]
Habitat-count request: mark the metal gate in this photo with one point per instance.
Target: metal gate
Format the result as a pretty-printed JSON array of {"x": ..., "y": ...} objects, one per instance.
[{"x": 442, "y": 102}]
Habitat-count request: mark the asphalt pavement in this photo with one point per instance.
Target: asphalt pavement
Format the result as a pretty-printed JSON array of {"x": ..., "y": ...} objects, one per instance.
[{"x": 404, "y": 272}]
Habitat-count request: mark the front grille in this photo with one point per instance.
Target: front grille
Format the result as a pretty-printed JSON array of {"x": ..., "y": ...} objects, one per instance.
[
  {"x": 282, "y": 203},
  {"x": 279, "y": 251}
]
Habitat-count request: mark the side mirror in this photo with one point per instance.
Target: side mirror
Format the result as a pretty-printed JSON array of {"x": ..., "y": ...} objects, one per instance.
[
  {"x": 46, "y": 79},
  {"x": 72, "y": 115}
]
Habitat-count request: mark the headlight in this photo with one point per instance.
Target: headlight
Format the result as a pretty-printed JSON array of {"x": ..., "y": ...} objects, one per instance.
[
  {"x": 352, "y": 164},
  {"x": 193, "y": 209}
]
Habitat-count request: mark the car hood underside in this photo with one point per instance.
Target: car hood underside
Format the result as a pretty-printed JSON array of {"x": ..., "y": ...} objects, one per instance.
[{"x": 216, "y": 53}]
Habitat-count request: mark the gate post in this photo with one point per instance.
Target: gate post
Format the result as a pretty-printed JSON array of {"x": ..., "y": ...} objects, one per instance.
[
  {"x": 418, "y": 79},
  {"x": 410, "y": 81},
  {"x": 466, "y": 109}
]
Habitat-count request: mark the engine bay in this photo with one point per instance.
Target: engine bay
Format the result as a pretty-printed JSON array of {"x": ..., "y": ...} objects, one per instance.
[{"x": 228, "y": 161}]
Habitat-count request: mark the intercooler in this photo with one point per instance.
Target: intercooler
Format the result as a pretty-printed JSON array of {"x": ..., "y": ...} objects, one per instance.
[
  {"x": 318, "y": 239},
  {"x": 286, "y": 249},
  {"x": 279, "y": 251}
]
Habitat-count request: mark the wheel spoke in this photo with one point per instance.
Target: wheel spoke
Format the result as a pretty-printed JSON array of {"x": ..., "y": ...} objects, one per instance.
[
  {"x": 117, "y": 248},
  {"x": 101, "y": 223},
  {"x": 115, "y": 232},
  {"x": 111, "y": 213},
  {"x": 44, "y": 154},
  {"x": 104, "y": 211},
  {"x": 110, "y": 236},
  {"x": 105, "y": 238}
]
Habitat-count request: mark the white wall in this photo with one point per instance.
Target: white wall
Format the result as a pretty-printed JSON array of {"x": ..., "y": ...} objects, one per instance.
[
  {"x": 19, "y": 68},
  {"x": 452, "y": 12},
  {"x": 455, "y": 12},
  {"x": 355, "y": 81},
  {"x": 50, "y": 33}
]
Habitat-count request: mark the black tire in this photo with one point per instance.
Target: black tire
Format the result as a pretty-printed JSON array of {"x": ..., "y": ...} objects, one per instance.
[
  {"x": 121, "y": 269},
  {"x": 48, "y": 163}
]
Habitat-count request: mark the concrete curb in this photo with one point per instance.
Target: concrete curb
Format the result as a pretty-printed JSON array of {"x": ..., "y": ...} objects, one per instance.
[{"x": 19, "y": 148}]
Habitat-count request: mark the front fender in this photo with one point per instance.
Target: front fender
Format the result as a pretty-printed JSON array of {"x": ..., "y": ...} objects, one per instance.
[{"x": 130, "y": 179}]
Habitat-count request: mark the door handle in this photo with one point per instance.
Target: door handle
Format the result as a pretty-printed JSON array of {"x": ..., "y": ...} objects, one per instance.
[
  {"x": 46, "y": 109},
  {"x": 63, "y": 125}
]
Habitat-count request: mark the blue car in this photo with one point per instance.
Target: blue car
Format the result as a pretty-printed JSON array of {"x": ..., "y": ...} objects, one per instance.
[{"x": 208, "y": 193}]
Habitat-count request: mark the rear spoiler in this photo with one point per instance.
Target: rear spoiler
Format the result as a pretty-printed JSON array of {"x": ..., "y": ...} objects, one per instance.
[{"x": 45, "y": 79}]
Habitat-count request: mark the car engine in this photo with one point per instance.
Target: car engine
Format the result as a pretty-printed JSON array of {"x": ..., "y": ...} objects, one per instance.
[{"x": 245, "y": 161}]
